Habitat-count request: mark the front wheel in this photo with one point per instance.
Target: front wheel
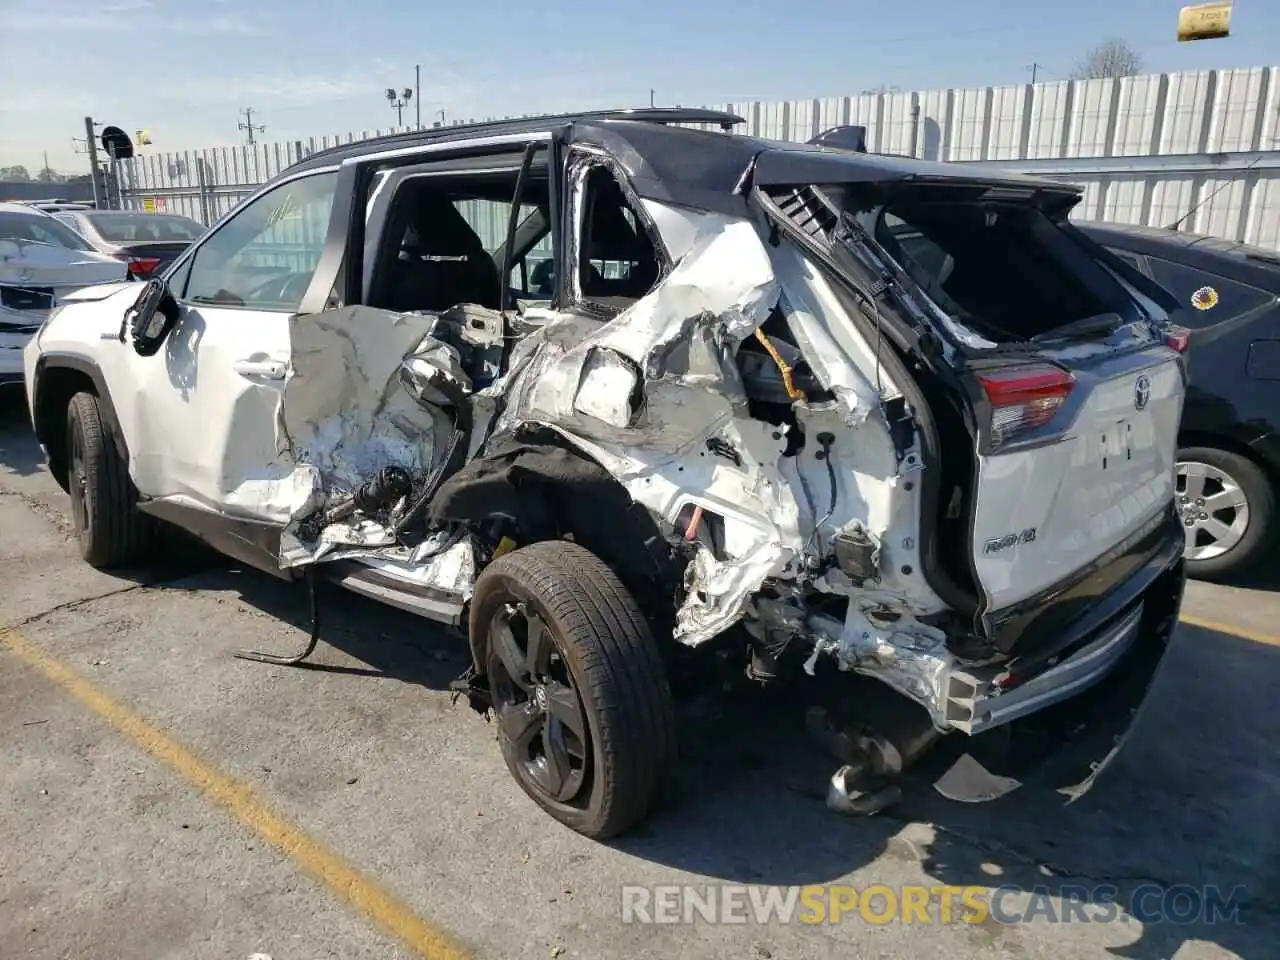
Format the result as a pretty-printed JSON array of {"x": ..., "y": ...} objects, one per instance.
[
  {"x": 1227, "y": 507},
  {"x": 110, "y": 530},
  {"x": 585, "y": 716}
]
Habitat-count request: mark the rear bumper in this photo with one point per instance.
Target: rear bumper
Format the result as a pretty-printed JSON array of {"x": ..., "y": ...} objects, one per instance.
[
  {"x": 1132, "y": 620},
  {"x": 1063, "y": 726}
]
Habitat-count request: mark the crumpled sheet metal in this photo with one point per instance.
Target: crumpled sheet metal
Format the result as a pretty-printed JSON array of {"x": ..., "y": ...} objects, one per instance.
[
  {"x": 761, "y": 525},
  {"x": 834, "y": 355},
  {"x": 677, "y": 343},
  {"x": 643, "y": 393},
  {"x": 910, "y": 656},
  {"x": 347, "y": 413}
]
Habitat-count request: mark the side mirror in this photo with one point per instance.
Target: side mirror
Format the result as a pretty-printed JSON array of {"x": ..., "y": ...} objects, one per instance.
[{"x": 151, "y": 318}]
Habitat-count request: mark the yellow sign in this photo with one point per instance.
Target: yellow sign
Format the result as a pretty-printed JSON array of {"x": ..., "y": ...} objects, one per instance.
[
  {"x": 149, "y": 204},
  {"x": 1204, "y": 21}
]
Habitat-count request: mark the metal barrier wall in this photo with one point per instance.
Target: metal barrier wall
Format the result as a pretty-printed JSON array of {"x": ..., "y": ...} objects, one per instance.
[{"x": 1147, "y": 149}]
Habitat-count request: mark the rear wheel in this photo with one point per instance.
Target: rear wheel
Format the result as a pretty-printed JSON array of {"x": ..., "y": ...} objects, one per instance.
[
  {"x": 585, "y": 716},
  {"x": 1227, "y": 506},
  {"x": 110, "y": 530}
]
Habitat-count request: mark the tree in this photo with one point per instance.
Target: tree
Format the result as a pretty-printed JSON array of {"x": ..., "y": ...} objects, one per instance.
[
  {"x": 18, "y": 174},
  {"x": 1111, "y": 58},
  {"x": 49, "y": 175}
]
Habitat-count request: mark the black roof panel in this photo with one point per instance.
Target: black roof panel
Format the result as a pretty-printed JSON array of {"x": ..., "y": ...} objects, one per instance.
[
  {"x": 516, "y": 125},
  {"x": 697, "y": 167}
]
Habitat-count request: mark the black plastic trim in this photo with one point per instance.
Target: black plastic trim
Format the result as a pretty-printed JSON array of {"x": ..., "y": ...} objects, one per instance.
[
  {"x": 255, "y": 542},
  {"x": 61, "y": 360},
  {"x": 1115, "y": 578}
]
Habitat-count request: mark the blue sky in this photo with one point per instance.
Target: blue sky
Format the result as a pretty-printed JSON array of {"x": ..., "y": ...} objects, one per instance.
[{"x": 182, "y": 69}]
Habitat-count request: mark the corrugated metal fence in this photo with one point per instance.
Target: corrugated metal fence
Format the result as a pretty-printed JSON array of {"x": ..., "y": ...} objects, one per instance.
[{"x": 1147, "y": 149}]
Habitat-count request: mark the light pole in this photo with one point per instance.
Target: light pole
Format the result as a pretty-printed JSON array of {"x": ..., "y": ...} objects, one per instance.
[{"x": 399, "y": 101}]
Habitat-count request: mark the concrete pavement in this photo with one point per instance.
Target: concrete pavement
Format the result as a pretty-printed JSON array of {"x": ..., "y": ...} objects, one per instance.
[{"x": 112, "y": 846}]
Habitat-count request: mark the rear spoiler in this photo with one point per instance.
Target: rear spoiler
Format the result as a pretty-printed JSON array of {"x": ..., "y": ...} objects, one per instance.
[{"x": 842, "y": 138}]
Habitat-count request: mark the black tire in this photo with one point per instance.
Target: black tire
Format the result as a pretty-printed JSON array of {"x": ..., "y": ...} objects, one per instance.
[
  {"x": 110, "y": 530},
  {"x": 609, "y": 657},
  {"x": 1260, "y": 532}
]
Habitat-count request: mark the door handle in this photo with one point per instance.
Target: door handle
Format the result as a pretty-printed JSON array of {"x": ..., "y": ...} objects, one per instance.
[{"x": 269, "y": 369}]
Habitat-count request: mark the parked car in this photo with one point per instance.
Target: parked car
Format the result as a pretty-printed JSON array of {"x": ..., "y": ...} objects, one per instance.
[
  {"x": 147, "y": 242},
  {"x": 1228, "y": 294},
  {"x": 41, "y": 262},
  {"x": 759, "y": 434}
]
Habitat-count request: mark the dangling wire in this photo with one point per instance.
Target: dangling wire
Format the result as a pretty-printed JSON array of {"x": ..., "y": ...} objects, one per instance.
[{"x": 311, "y": 644}]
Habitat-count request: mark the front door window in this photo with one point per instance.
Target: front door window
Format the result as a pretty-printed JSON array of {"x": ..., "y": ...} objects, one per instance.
[{"x": 264, "y": 257}]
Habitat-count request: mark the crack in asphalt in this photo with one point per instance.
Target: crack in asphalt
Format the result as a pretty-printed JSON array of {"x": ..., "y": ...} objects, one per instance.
[{"x": 45, "y": 510}]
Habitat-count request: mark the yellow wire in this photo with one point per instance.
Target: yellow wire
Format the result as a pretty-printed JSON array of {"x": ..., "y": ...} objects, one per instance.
[{"x": 794, "y": 392}]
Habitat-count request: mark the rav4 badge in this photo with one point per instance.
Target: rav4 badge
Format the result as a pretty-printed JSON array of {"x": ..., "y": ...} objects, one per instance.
[{"x": 996, "y": 544}]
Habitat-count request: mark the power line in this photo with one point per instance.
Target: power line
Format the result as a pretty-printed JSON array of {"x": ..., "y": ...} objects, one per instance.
[{"x": 248, "y": 124}]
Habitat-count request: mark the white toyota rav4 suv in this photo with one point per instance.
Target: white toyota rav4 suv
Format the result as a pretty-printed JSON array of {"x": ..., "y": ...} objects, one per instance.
[{"x": 825, "y": 410}]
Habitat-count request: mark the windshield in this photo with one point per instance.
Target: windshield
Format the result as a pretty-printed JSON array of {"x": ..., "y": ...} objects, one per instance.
[
  {"x": 143, "y": 227},
  {"x": 38, "y": 228}
]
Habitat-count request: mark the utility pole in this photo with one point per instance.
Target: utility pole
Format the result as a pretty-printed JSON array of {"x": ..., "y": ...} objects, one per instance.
[
  {"x": 1034, "y": 68},
  {"x": 93, "y": 161},
  {"x": 651, "y": 93},
  {"x": 249, "y": 126},
  {"x": 417, "y": 95}
]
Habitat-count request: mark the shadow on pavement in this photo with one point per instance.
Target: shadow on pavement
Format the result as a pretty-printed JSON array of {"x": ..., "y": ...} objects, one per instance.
[
  {"x": 1190, "y": 803},
  {"x": 19, "y": 451},
  {"x": 390, "y": 642}
]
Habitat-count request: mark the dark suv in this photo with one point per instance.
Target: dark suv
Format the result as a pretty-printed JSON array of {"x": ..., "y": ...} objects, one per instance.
[{"x": 1229, "y": 443}]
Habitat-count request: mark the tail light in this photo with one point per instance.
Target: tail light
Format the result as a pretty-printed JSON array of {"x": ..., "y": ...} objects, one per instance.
[
  {"x": 1024, "y": 398},
  {"x": 140, "y": 267},
  {"x": 1177, "y": 338}
]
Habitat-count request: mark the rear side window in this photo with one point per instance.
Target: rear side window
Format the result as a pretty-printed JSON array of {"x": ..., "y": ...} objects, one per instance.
[
  {"x": 144, "y": 227},
  {"x": 618, "y": 260},
  {"x": 1205, "y": 298}
]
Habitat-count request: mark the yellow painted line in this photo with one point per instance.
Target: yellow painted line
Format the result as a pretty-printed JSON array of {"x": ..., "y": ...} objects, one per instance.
[
  {"x": 242, "y": 802},
  {"x": 1244, "y": 633}
]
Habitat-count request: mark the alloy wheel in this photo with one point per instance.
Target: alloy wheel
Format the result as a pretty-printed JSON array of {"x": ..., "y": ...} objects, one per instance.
[
  {"x": 541, "y": 720},
  {"x": 1213, "y": 508}
]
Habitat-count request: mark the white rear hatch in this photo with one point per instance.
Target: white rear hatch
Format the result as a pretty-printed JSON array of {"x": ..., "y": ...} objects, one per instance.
[
  {"x": 1075, "y": 393},
  {"x": 1048, "y": 509}
]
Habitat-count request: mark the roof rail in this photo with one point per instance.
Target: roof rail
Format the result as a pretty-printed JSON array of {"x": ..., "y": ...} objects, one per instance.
[{"x": 662, "y": 115}]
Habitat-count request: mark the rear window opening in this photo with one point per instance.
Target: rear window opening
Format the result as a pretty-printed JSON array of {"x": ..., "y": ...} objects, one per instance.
[{"x": 1006, "y": 271}]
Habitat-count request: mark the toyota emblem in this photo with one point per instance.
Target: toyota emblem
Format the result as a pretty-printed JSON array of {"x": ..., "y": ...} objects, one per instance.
[{"x": 1141, "y": 393}]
